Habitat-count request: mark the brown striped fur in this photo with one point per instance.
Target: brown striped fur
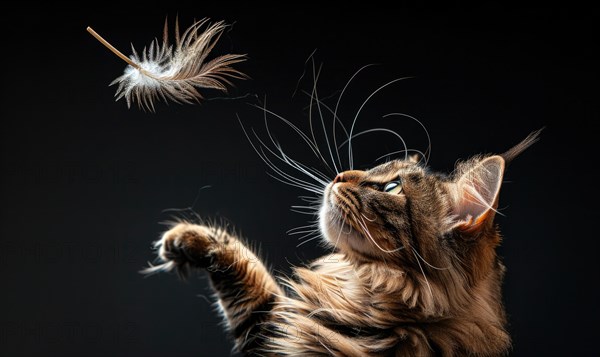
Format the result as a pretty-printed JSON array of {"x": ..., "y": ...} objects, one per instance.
[{"x": 413, "y": 272}]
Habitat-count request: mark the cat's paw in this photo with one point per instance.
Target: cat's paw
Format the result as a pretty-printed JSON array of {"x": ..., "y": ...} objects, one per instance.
[{"x": 187, "y": 245}]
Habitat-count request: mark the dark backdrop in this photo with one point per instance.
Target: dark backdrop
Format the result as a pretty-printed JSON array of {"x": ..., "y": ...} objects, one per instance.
[{"x": 86, "y": 182}]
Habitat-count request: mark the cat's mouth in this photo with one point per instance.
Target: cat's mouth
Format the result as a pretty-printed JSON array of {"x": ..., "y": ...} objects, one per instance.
[{"x": 337, "y": 219}]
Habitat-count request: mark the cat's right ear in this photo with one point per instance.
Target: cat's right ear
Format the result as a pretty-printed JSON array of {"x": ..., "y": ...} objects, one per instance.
[{"x": 474, "y": 194}]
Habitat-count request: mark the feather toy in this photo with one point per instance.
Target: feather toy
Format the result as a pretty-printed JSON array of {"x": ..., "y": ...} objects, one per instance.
[{"x": 176, "y": 71}]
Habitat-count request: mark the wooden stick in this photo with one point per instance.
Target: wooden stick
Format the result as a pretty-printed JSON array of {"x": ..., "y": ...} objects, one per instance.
[{"x": 113, "y": 49}]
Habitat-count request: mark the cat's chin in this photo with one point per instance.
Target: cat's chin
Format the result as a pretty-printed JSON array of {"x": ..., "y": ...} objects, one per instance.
[{"x": 338, "y": 233}]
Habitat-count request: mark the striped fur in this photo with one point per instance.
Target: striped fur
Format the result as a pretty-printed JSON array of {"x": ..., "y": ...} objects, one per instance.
[{"x": 412, "y": 273}]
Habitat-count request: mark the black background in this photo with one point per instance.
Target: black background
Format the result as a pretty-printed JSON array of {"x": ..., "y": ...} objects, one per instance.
[{"x": 86, "y": 181}]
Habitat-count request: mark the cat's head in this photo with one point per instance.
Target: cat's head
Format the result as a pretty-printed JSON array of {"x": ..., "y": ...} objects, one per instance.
[{"x": 402, "y": 213}]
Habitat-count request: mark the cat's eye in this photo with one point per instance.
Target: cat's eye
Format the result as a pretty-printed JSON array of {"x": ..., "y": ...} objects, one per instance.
[{"x": 393, "y": 187}]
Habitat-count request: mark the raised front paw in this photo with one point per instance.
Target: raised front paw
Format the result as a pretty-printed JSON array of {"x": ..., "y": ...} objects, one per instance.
[{"x": 187, "y": 245}]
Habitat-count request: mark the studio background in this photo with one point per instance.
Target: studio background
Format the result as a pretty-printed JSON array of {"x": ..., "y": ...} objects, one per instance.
[{"x": 86, "y": 181}]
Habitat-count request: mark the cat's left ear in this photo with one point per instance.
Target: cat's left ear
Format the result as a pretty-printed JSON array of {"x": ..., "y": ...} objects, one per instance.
[{"x": 475, "y": 194}]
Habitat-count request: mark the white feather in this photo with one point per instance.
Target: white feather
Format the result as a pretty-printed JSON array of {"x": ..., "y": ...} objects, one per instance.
[{"x": 175, "y": 72}]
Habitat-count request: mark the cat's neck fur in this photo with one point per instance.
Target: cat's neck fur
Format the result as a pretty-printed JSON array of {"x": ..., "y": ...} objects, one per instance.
[{"x": 401, "y": 304}]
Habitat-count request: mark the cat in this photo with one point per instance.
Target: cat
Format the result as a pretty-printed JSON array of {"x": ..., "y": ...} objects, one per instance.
[{"x": 414, "y": 270}]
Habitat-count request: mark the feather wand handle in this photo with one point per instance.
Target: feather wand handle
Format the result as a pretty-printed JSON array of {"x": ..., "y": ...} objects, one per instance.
[{"x": 113, "y": 49}]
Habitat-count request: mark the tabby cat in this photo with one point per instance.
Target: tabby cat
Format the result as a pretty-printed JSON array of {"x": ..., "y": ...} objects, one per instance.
[{"x": 414, "y": 270}]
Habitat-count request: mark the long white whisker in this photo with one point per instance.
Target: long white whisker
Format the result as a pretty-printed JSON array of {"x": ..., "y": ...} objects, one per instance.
[
  {"x": 295, "y": 128},
  {"x": 309, "y": 234},
  {"x": 350, "y": 158},
  {"x": 428, "y": 151},
  {"x": 310, "y": 112},
  {"x": 313, "y": 207},
  {"x": 285, "y": 175},
  {"x": 305, "y": 232},
  {"x": 286, "y": 178},
  {"x": 367, "y": 218},
  {"x": 305, "y": 210},
  {"x": 304, "y": 72},
  {"x": 423, "y": 272},
  {"x": 335, "y": 120},
  {"x": 381, "y": 130},
  {"x": 337, "y": 105},
  {"x": 400, "y": 151},
  {"x": 302, "y": 212},
  {"x": 314, "y": 173},
  {"x": 306, "y": 241},
  {"x": 291, "y": 183},
  {"x": 289, "y": 161},
  {"x": 309, "y": 199},
  {"x": 282, "y": 155},
  {"x": 363, "y": 225},
  {"x": 366, "y": 231},
  {"x": 313, "y": 223},
  {"x": 316, "y": 78},
  {"x": 426, "y": 262}
]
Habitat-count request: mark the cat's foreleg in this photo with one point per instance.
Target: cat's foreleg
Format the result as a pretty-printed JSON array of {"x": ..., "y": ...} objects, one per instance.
[{"x": 244, "y": 286}]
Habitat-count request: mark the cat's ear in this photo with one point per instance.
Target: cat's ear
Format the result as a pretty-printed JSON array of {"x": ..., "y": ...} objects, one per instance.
[
  {"x": 415, "y": 158},
  {"x": 475, "y": 193}
]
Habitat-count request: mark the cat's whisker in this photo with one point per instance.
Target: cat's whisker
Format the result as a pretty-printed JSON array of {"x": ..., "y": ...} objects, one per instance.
[
  {"x": 306, "y": 241},
  {"x": 310, "y": 199},
  {"x": 363, "y": 224},
  {"x": 291, "y": 180},
  {"x": 310, "y": 57},
  {"x": 314, "y": 140},
  {"x": 380, "y": 130},
  {"x": 304, "y": 137},
  {"x": 424, "y": 275},
  {"x": 335, "y": 111},
  {"x": 284, "y": 175},
  {"x": 335, "y": 120},
  {"x": 400, "y": 151},
  {"x": 314, "y": 233},
  {"x": 349, "y": 229},
  {"x": 350, "y": 157},
  {"x": 309, "y": 234},
  {"x": 311, "y": 206},
  {"x": 286, "y": 178},
  {"x": 365, "y": 228},
  {"x": 290, "y": 162},
  {"x": 309, "y": 211},
  {"x": 291, "y": 183},
  {"x": 305, "y": 231},
  {"x": 302, "y": 212},
  {"x": 293, "y": 163},
  {"x": 426, "y": 262},
  {"x": 367, "y": 218},
  {"x": 314, "y": 94},
  {"x": 428, "y": 151},
  {"x": 292, "y": 230}
]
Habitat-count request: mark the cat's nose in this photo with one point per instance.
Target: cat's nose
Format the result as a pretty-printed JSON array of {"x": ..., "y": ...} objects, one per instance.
[{"x": 339, "y": 178}]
